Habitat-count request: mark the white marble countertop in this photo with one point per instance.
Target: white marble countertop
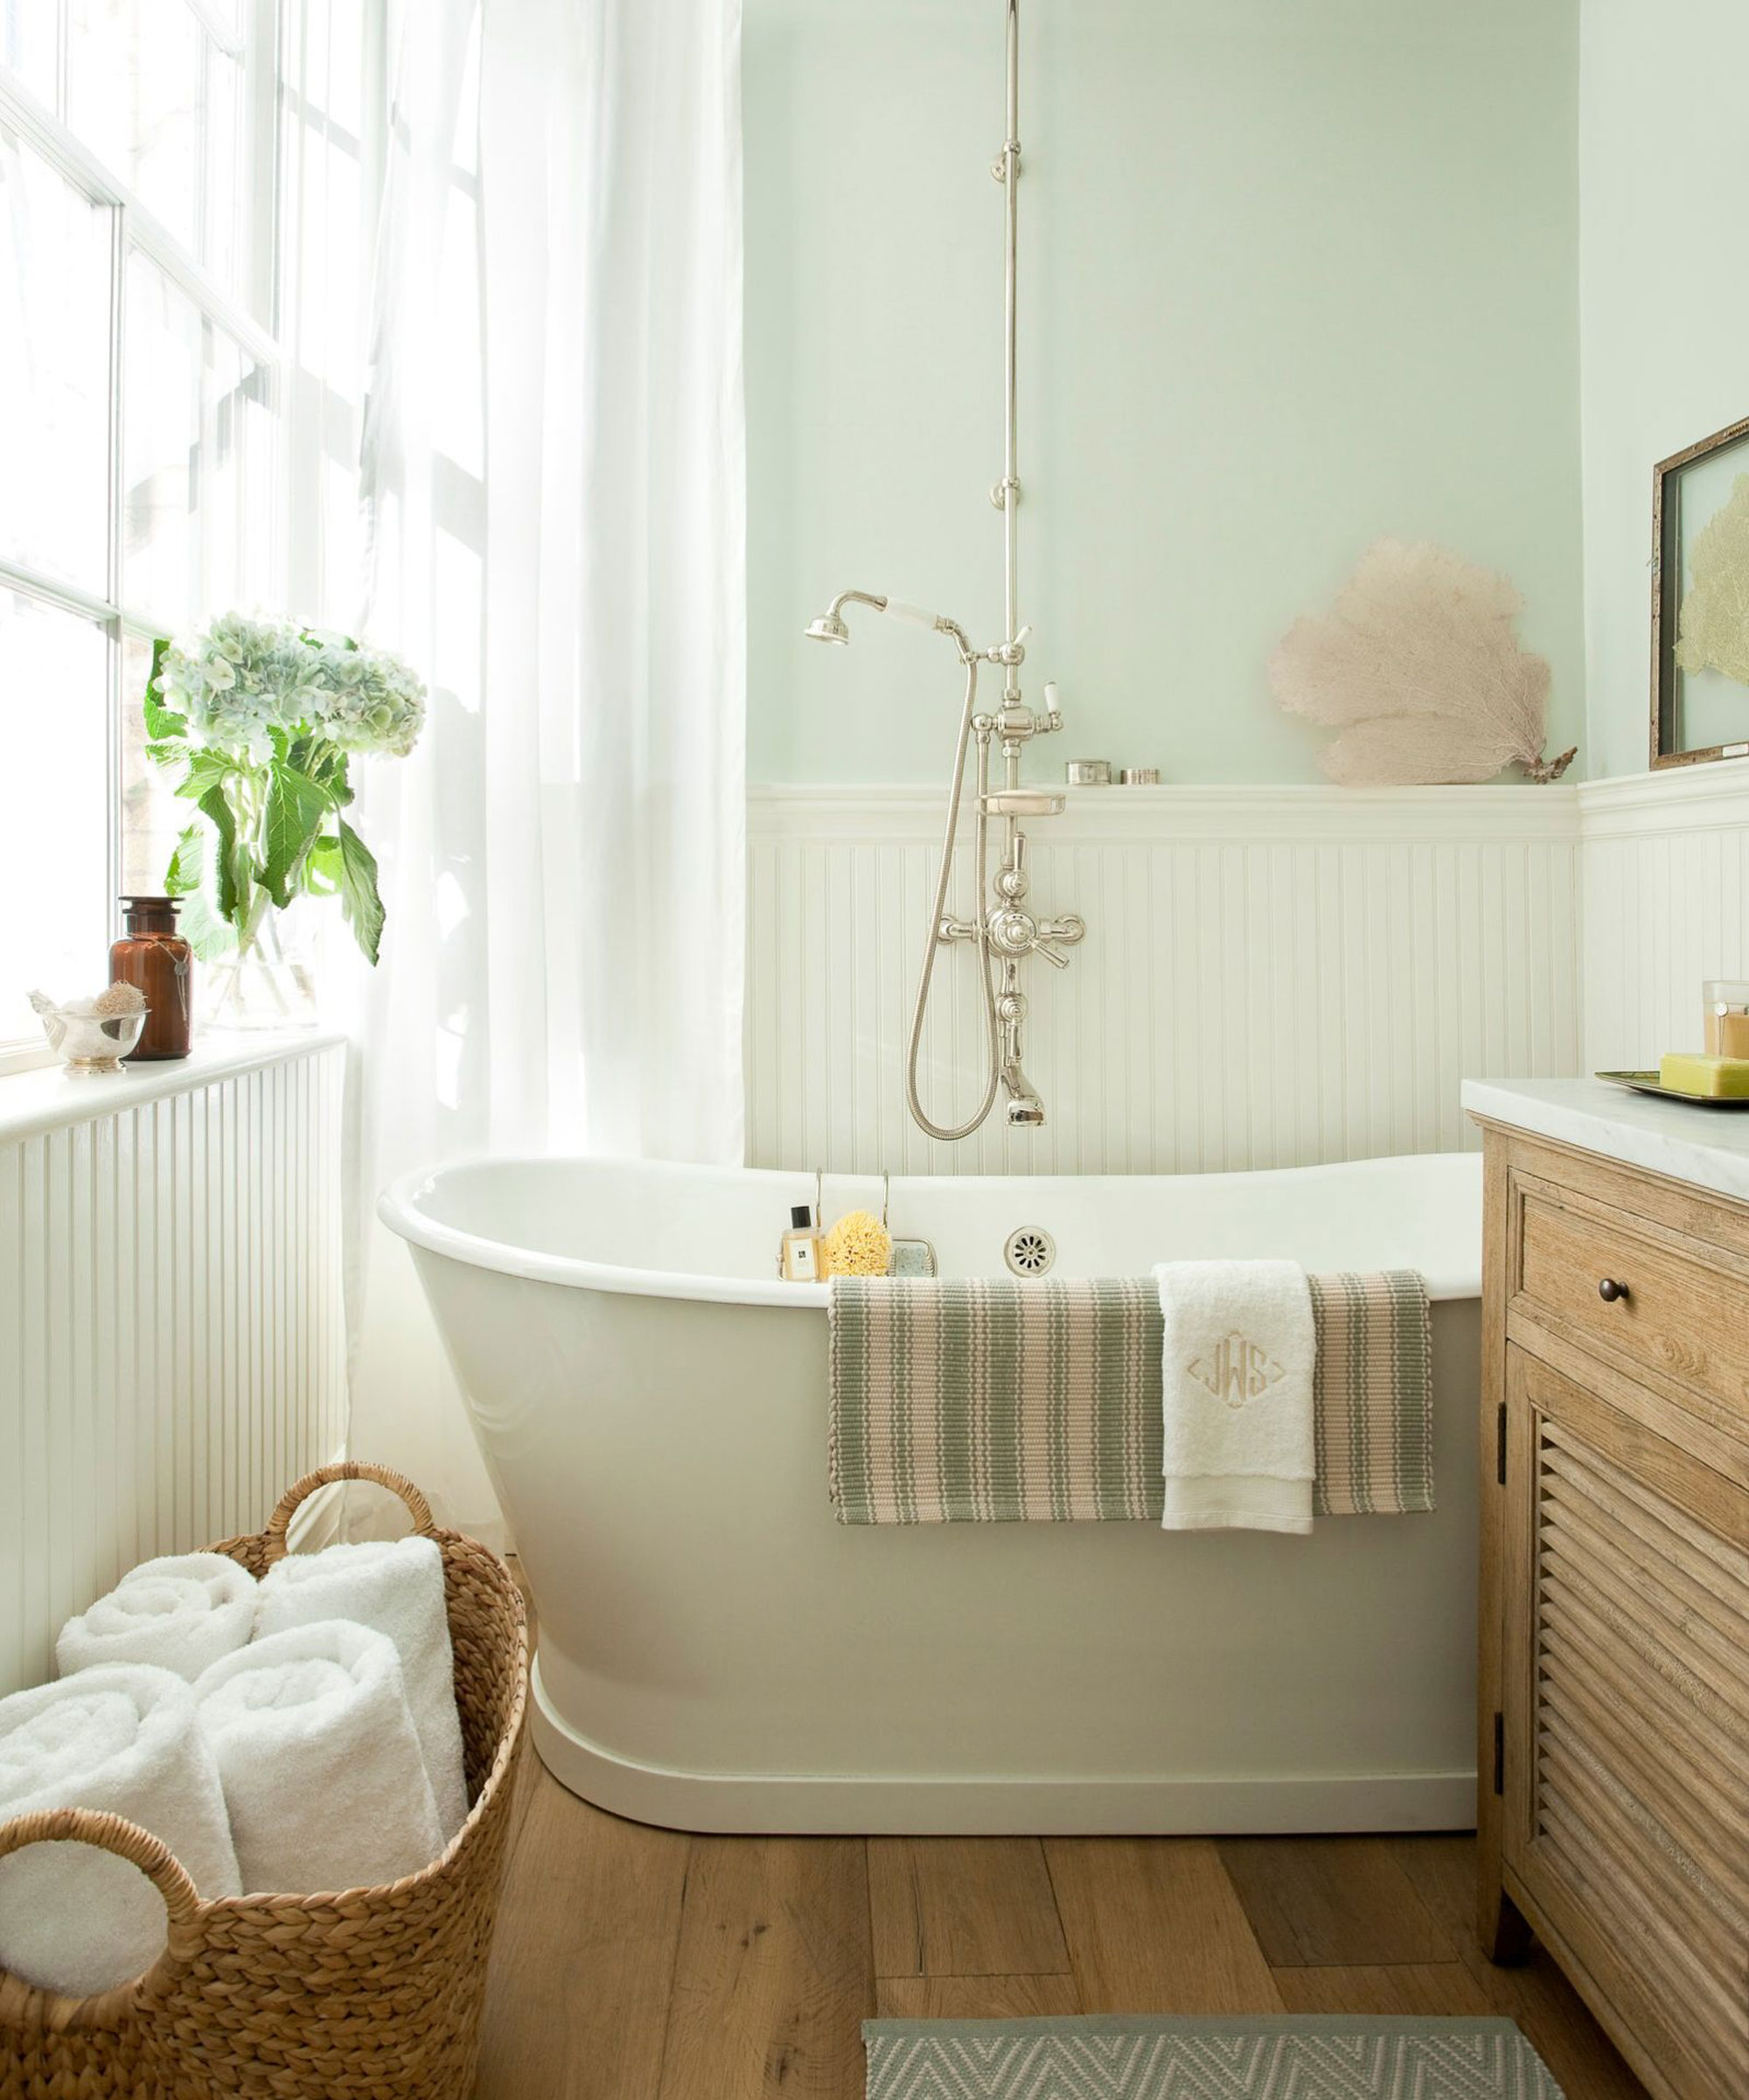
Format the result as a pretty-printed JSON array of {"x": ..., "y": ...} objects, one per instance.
[
  {"x": 1707, "y": 1147},
  {"x": 48, "y": 1099}
]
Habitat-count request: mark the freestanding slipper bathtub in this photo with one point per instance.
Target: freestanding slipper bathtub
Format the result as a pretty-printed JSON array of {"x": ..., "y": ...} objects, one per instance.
[{"x": 718, "y": 1653}]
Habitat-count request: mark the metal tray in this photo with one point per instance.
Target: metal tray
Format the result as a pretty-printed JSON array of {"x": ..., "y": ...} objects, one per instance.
[{"x": 1649, "y": 1083}]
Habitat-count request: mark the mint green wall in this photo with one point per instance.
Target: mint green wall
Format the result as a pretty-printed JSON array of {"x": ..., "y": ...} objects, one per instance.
[
  {"x": 1296, "y": 272},
  {"x": 1664, "y": 306}
]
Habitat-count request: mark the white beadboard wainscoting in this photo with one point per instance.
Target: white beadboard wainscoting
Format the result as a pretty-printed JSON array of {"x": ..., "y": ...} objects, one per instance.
[
  {"x": 1666, "y": 877},
  {"x": 1270, "y": 976},
  {"x": 171, "y": 1335}
]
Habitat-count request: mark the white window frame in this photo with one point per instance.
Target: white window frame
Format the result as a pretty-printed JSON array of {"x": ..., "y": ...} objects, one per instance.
[{"x": 256, "y": 324}]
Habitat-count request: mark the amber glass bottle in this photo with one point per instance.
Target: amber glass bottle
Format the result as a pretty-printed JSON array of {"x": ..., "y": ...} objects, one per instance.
[{"x": 154, "y": 956}]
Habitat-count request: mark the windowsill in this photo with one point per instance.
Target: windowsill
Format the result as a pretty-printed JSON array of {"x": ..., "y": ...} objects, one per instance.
[{"x": 47, "y": 1099}]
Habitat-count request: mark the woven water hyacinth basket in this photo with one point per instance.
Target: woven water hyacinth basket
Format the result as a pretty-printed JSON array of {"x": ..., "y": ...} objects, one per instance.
[{"x": 371, "y": 1991}]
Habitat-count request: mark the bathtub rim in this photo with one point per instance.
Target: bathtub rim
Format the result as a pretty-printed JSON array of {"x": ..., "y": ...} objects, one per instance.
[{"x": 398, "y": 1208}]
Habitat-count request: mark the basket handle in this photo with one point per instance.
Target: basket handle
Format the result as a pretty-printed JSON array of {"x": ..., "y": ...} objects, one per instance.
[
  {"x": 128, "y": 1841},
  {"x": 273, "y": 1538}
]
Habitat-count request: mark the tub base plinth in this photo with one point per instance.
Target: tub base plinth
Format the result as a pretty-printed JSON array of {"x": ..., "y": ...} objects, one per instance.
[{"x": 922, "y": 1806}]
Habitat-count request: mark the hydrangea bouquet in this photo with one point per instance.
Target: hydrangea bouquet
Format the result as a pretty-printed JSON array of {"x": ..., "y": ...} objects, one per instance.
[{"x": 263, "y": 718}]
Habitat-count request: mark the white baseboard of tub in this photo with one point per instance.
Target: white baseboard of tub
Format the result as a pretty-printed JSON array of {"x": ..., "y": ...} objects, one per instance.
[{"x": 904, "y": 1805}]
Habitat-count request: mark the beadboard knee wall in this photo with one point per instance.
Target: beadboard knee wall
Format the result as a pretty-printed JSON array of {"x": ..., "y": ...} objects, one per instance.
[
  {"x": 171, "y": 1336},
  {"x": 1274, "y": 976},
  {"x": 1665, "y": 875}
]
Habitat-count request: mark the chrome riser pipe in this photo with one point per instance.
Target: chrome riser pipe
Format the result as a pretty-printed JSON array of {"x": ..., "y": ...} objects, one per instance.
[{"x": 1003, "y": 931}]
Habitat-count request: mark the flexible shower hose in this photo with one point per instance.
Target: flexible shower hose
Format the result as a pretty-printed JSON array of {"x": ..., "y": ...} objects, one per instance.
[{"x": 920, "y": 1011}]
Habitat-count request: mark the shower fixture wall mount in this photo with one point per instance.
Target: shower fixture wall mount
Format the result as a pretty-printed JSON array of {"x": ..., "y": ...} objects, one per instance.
[{"x": 1003, "y": 932}]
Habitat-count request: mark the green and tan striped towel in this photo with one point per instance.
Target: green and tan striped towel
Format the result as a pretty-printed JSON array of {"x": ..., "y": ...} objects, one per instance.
[{"x": 985, "y": 1402}]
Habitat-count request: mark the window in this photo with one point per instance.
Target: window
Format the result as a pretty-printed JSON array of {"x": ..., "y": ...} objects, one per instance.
[{"x": 187, "y": 194}]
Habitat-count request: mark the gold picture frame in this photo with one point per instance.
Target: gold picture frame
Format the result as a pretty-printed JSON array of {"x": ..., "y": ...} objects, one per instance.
[{"x": 1687, "y": 728}]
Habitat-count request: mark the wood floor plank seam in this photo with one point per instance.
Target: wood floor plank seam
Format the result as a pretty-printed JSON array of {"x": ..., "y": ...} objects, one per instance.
[
  {"x": 639, "y": 1963},
  {"x": 1333, "y": 1903},
  {"x": 673, "y": 1966},
  {"x": 963, "y": 1976},
  {"x": 963, "y": 1905},
  {"x": 891, "y": 1847},
  {"x": 1123, "y": 1908}
]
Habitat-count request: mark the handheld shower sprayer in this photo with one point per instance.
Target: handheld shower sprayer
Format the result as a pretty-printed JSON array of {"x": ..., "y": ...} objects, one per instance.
[
  {"x": 831, "y": 627},
  {"x": 1002, "y": 931}
]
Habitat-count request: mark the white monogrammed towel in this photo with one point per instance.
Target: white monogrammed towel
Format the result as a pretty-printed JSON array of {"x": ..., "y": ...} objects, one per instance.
[
  {"x": 119, "y": 1738},
  {"x": 320, "y": 1767},
  {"x": 181, "y": 1612},
  {"x": 1240, "y": 1349},
  {"x": 397, "y": 1588}
]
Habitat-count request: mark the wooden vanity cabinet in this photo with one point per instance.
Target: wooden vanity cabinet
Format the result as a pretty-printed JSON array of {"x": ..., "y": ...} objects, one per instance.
[{"x": 1614, "y": 1726}]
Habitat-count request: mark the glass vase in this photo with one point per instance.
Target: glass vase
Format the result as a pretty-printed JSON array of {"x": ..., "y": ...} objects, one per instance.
[{"x": 268, "y": 983}]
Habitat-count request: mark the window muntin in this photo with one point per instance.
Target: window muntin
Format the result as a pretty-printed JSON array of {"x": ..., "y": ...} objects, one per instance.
[
  {"x": 55, "y": 291},
  {"x": 156, "y": 89},
  {"x": 54, "y": 674},
  {"x": 177, "y": 457}
]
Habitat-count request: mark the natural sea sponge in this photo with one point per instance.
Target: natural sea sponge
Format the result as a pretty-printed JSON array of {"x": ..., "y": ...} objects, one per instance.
[
  {"x": 859, "y": 1245},
  {"x": 118, "y": 999}
]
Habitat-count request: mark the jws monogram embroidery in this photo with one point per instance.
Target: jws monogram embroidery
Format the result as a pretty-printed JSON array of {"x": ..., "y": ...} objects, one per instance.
[{"x": 1238, "y": 1371}]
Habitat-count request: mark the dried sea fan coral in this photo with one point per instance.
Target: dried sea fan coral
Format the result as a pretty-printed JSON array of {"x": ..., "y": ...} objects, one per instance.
[
  {"x": 1418, "y": 667},
  {"x": 1715, "y": 617},
  {"x": 858, "y": 1245}
]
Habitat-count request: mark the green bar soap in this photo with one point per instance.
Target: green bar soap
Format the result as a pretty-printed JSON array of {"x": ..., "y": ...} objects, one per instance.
[{"x": 1716, "y": 1079}]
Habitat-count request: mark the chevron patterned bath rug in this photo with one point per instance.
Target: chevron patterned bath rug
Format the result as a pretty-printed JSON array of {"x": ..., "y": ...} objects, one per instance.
[{"x": 1217, "y": 2058}]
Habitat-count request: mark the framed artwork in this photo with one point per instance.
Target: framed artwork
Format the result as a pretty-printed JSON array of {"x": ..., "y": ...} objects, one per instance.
[{"x": 1700, "y": 600}]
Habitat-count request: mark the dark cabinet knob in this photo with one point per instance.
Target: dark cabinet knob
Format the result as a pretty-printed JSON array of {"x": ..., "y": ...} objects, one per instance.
[{"x": 1609, "y": 1290}]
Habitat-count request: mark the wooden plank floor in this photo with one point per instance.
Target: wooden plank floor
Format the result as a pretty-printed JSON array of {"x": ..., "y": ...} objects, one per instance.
[{"x": 633, "y": 1963}]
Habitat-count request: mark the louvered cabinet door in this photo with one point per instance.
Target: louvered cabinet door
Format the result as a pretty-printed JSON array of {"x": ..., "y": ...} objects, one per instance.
[{"x": 1625, "y": 1689}]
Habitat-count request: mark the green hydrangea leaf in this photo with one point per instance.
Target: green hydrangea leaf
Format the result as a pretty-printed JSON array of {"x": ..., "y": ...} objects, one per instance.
[
  {"x": 360, "y": 902},
  {"x": 323, "y": 870},
  {"x": 203, "y": 929},
  {"x": 231, "y": 870},
  {"x": 187, "y": 864},
  {"x": 207, "y": 772},
  {"x": 297, "y": 808},
  {"x": 199, "y": 924}
]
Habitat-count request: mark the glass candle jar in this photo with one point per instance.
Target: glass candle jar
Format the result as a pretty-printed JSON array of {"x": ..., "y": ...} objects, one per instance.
[
  {"x": 1727, "y": 1017},
  {"x": 154, "y": 956}
]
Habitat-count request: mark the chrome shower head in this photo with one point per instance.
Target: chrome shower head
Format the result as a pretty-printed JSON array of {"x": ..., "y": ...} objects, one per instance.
[
  {"x": 830, "y": 626},
  {"x": 1026, "y": 1110}
]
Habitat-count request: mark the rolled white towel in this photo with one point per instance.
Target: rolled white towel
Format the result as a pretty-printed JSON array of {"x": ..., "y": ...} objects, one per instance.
[
  {"x": 181, "y": 1612},
  {"x": 395, "y": 1586},
  {"x": 121, "y": 1738},
  {"x": 319, "y": 1761}
]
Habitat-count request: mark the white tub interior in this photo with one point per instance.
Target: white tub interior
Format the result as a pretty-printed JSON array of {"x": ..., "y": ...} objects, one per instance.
[{"x": 692, "y": 1232}]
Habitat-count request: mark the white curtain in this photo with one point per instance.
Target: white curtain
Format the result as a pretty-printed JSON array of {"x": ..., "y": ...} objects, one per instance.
[{"x": 554, "y": 473}]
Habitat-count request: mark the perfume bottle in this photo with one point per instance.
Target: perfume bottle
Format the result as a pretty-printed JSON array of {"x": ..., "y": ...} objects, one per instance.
[
  {"x": 154, "y": 956},
  {"x": 799, "y": 1261}
]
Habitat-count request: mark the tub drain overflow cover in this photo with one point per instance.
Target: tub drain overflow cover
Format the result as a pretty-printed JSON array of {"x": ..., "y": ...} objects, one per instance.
[{"x": 1029, "y": 1250}]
